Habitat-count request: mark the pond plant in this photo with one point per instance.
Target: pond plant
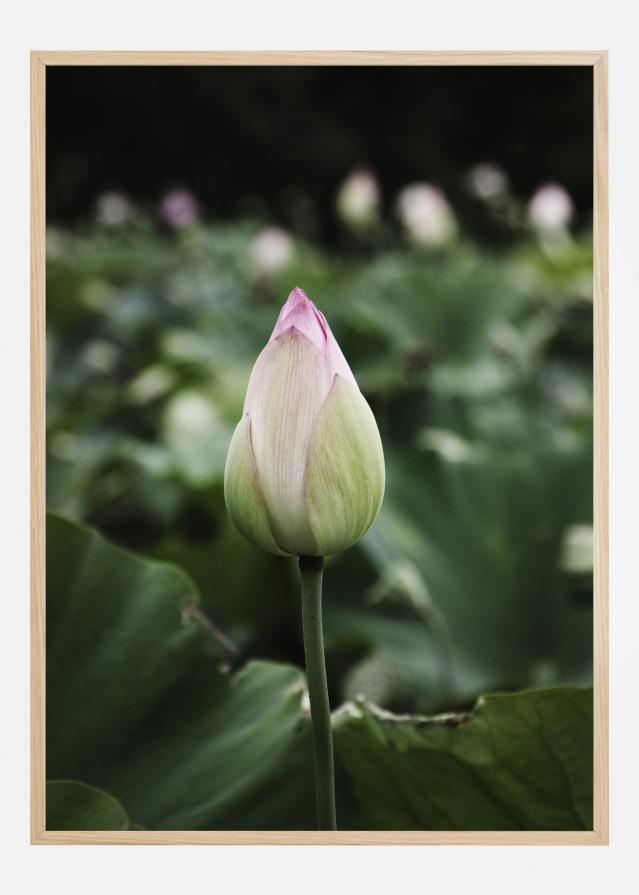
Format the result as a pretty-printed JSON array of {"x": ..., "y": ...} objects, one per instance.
[{"x": 305, "y": 477}]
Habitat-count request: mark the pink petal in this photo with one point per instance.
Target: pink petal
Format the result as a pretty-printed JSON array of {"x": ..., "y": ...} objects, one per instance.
[{"x": 300, "y": 312}]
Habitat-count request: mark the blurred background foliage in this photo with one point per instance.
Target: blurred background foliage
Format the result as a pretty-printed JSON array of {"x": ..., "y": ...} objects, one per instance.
[{"x": 441, "y": 220}]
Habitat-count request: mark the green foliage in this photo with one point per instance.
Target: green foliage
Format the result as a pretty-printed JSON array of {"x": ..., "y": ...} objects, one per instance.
[
  {"x": 478, "y": 368},
  {"x": 520, "y": 762},
  {"x": 175, "y": 682},
  {"x": 139, "y": 704},
  {"x": 76, "y": 806}
]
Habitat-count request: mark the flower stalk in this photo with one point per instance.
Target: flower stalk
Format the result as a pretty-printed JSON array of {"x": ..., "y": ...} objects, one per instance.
[{"x": 311, "y": 570}]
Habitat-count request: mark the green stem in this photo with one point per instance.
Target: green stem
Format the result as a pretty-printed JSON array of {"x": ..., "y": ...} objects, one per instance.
[{"x": 311, "y": 568}]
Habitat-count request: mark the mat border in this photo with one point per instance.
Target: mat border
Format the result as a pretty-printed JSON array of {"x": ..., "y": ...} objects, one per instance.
[{"x": 598, "y": 61}]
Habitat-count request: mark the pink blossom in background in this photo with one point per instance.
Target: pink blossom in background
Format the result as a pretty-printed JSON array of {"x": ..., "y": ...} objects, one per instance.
[
  {"x": 271, "y": 250},
  {"x": 179, "y": 209},
  {"x": 551, "y": 209},
  {"x": 426, "y": 215}
]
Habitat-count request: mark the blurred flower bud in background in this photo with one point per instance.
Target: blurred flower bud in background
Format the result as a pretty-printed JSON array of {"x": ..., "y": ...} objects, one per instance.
[
  {"x": 358, "y": 199},
  {"x": 179, "y": 209},
  {"x": 113, "y": 210},
  {"x": 271, "y": 250},
  {"x": 550, "y": 210},
  {"x": 426, "y": 215},
  {"x": 577, "y": 549},
  {"x": 488, "y": 182}
]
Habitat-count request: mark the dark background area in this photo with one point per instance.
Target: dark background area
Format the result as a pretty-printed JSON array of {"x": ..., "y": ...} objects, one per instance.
[{"x": 274, "y": 142}]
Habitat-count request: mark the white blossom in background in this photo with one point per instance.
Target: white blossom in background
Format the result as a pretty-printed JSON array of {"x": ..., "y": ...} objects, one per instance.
[
  {"x": 426, "y": 215},
  {"x": 358, "y": 199},
  {"x": 113, "y": 210},
  {"x": 550, "y": 210},
  {"x": 487, "y": 181},
  {"x": 271, "y": 250},
  {"x": 576, "y": 551},
  {"x": 179, "y": 209}
]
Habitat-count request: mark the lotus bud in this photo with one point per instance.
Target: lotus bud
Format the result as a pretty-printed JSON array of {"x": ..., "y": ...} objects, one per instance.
[
  {"x": 550, "y": 210},
  {"x": 305, "y": 468},
  {"x": 358, "y": 199},
  {"x": 426, "y": 215}
]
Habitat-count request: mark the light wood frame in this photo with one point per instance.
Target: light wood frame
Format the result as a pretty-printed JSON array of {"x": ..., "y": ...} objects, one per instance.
[{"x": 598, "y": 61}]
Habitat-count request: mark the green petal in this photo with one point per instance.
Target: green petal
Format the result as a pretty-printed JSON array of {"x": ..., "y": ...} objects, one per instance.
[
  {"x": 288, "y": 386},
  {"x": 242, "y": 493},
  {"x": 345, "y": 471}
]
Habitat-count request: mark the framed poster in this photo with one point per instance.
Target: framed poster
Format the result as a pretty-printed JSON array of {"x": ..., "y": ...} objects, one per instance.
[{"x": 341, "y": 312}]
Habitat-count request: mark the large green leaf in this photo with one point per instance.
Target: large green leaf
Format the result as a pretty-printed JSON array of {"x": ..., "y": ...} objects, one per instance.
[
  {"x": 76, "y": 806},
  {"x": 521, "y": 761},
  {"x": 236, "y": 755},
  {"x": 487, "y": 539},
  {"x": 137, "y": 702},
  {"x": 121, "y": 636},
  {"x": 471, "y": 595}
]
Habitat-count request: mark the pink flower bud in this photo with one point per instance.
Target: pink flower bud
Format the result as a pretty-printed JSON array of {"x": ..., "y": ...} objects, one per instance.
[{"x": 305, "y": 468}]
